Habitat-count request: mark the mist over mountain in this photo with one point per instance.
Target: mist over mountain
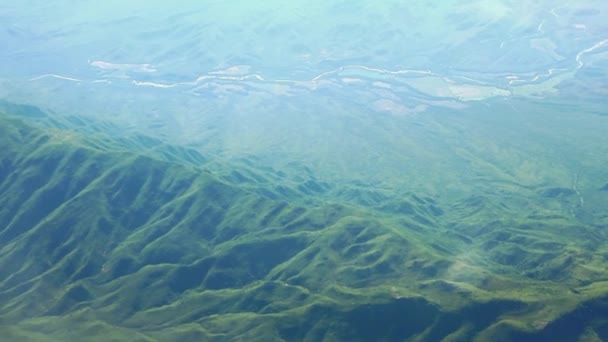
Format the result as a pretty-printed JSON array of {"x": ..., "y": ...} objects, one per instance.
[{"x": 311, "y": 171}]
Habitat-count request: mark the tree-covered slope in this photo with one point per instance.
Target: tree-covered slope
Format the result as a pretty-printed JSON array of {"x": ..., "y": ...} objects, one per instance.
[{"x": 107, "y": 242}]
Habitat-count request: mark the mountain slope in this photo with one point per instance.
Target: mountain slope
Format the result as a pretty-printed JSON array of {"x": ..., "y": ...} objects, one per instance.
[
  {"x": 97, "y": 243},
  {"x": 126, "y": 233}
]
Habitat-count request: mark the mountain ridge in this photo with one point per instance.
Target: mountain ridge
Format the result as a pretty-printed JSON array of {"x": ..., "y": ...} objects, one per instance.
[{"x": 128, "y": 244}]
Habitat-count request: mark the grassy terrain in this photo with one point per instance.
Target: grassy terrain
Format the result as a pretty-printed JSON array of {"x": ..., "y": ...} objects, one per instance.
[
  {"x": 304, "y": 171},
  {"x": 123, "y": 237}
]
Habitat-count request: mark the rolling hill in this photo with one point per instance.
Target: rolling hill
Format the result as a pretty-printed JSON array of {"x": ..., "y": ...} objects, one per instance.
[
  {"x": 304, "y": 171},
  {"x": 110, "y": 237}
]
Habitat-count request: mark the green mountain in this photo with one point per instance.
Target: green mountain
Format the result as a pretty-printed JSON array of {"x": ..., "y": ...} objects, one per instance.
[
  {"x": 304, "y": 170},
  {"x": 110, "y": 235}
]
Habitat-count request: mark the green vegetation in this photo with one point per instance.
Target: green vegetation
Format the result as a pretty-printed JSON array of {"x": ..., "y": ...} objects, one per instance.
[
  {"x": 303, "y": 170},
  {"x": 110, "y": 236}
]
